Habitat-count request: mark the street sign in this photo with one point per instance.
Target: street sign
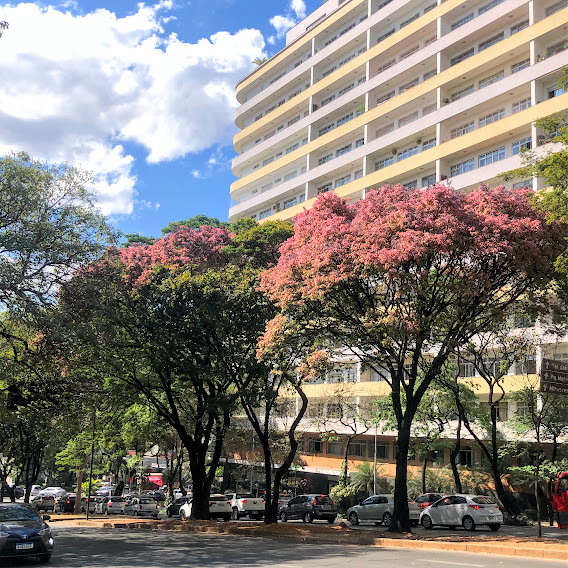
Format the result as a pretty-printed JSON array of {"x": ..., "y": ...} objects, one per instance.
[{"x": 554, "y": 376}]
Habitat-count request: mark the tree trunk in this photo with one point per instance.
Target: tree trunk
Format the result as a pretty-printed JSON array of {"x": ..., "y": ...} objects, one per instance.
[
  {"x": 400, "y": 518},
  {"x": 537, "y": 485},
  {"x": 454, "y": 453},
  {"x": 424, "y": 474},
  {"x": 78, "y": 493}
]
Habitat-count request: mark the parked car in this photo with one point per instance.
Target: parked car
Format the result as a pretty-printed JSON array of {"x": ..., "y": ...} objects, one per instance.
[
  {"x": 140, "y": 506},
  {"x": 18, "y": 491},
  {"x": 283, "y": 500},
  {"x": 309, "y": 508},
  {"x": 54, "y": 491},
  {"x": 219, "y": 508},
  {"x": 65, "y": 504},
  {"x": 24, "y": 532},
  {"x": 465, "y": 510},
  {"x": 105, "y": 491},
  {"x": 427, "y": 499},
  {"x": 110, "y": 506},
  {"x": 379, "y": 509},
  {"x": 246, "y": 504},
  {"x": 92, "y": 502},
  {"x": 174, "y": 507},
  {"x": 43, "y": 503},
  {"x": 158, "y": 495}
]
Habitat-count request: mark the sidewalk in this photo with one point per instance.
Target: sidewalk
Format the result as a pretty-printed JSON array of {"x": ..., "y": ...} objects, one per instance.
[{"x": 545, "y": 548}]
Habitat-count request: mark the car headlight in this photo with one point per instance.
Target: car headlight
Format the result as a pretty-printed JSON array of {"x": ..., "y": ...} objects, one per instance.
[
  {"x": 4, "y": 534},
  {"x": 44, "y": 532}
]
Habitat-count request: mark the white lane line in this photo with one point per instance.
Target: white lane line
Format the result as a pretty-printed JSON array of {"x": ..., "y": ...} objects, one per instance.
[{"x": 457, "y": 563}]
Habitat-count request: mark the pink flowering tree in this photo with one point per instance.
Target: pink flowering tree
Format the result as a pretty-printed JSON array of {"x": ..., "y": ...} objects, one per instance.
[{"x": 406, "y": 276}]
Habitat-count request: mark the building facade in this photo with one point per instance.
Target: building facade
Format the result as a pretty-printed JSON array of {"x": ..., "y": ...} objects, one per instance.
[{"x": 411, "y": 92}]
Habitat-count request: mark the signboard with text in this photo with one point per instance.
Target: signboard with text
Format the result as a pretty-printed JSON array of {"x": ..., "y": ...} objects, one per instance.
[{"x": 554, "y": 376}]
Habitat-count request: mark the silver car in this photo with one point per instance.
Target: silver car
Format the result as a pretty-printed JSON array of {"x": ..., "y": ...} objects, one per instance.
[
  {"x": 378, "y": 509},
  {"x": 140, "y": 506},
  {"x": 465, "y": 510}
]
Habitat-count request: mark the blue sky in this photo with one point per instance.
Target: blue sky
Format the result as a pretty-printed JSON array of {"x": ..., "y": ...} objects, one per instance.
[{"x": 142, "y": 95}]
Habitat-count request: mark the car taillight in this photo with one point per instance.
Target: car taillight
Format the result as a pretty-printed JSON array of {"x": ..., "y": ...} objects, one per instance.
[
  {"x": 263, "y": 501},
  {"x": 210, "y": 503},
  {"x": 110, "y": 504},
  {"x": 314, "y": 502},
  {"x": 243, "y": 500},
  {"x": 476, "y": 507},
  {"x": 68, "y": 501}
]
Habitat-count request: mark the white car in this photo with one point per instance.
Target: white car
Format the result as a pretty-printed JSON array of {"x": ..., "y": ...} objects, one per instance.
[
  {"x": 465, "y": 510},
  {"x": 378, "y": 509},
  {"x": 244, "y": 504},
  {"x": 110, "y": 506},
  {"x": 53, "y": 492},
  {"x": 219, "y": 508},
  {"x": 140, "y": 506}
]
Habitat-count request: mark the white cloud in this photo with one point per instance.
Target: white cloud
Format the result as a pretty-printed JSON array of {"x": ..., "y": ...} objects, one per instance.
[
  {"x": 295, "y": 11},
  {"x": 78, "y": 87}
]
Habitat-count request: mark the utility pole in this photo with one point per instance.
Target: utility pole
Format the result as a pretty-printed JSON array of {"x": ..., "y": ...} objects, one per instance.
[
  {"x": 375, "y": 464},
  {"x": 88, "y": 499}
]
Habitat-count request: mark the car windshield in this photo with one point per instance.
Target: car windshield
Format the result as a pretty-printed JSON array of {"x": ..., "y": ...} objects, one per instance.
[
  {"x": 218, "y": 498},
  {"x": 17, "y": 513},
  {"x": 146, "y": 501},
  {"x": 484, "y": 501},
  {"x": 116, "y": 499},
  {"x": 245, "y": 496},
  {"x": 324, "y": 500}
]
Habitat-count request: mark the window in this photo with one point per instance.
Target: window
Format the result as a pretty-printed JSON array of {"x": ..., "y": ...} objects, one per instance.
[
  {"x": 466, "y": 456},
  {"x": 409, "y": 185},
  {"x": 462, "y": 56},
  {"x": 493, "y": 117},
  {"x": 463, "y": 129},
  {"x": 359, "y": 143},
  {"x": 429, "y": 180},
  {"x": 527, "y": 183},
  {"x": 292, "y": 148},
  {"x": 270, "y": 135},
  {"x": 289, "y": 202},
  {"x": 326, "y": 129},
  {"x": 491, "y": 79},
  {"x": 335, "y": 448},
  {"x": 378, "y": 376},
  {"x": 467, "y": 369},
  {"x": 382, "y": 451},
  {"x": 462, "y": 21},
  {"x": 407, "y": 153},
  {"x": 291, "y": 175},
  {"x": 385, "y": 97},
  {"x": 524, "y": 144},
  {"x": 429, "y": 74},
  {"x": 520, "y": 26},
  {"x": 380, "y": 164},
  {"x": 409, "y": 21},
  {"x": 491, "y": 41},
  {"x": 342, "y": 181},
  {"x": 333, "y": 410},
  {"x": 343, "y": 150},
  {"x": 408, "y": 119},
  {"x": 428, "y": 144},
  {"x": 265, "y": 213},
  {"x": 294, "y": 120},
  {"x": 325, "y": 159},
  {"x": 556, "y": 7},
  {"x": 315, "y": 446},
  {"x": 346, "y": 89},
  {"x": 347, "y": 29},
  {"x": 268, "y": 161},
  {"x": 408, "y": 85},
  {"x": 330, "y": 40},
  {"x": 488, "y": 7},
  {"x": 324, "y": 188},
  {"x": 555, "y": 92},
  {"x": 328, "y": 100},
  {"x": 385, "y": 35},
  {"x": 328, "y": 72},
  {"x": 294, "y": 94},
  {"x": 521, "y": 105},
  {"x": 345, "y": 119},
  {"x": 462, "y": 167},
  {"x": 408, "y": 52},
  {"x": 358, "y": 174},
  {"x": 358, "y": 448},
  {"x": 384, "y": 130},
  {"x": 463, "y": 93},
  {"x": 429, "y": 109},
  {"x": 519, "y": 66},
  {"x": 385, "y": 66},
  {"x": 431, "y": 7},
  {"x": 492, "y": 157}
]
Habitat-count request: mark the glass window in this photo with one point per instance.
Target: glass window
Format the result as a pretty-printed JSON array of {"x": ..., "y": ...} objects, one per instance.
[
  {"x": 385, "y": 97},
  {"x": 491, "y": 79},
  {"x": 325, "y": 159},
  {"x": 520, "y": 26},
  {"x": 380, "y": 164},
  {"x": 492, "y": 117},
  {"x": 343, "y": 150},
  {"x": 527, "y": 183},
  {"x": 463, "y": 93},
  {"x": 358, "y": 174},
  {"x": 521, "y": 105},
  {"x": 516, "y": 67},
  {"x": 382, "y": 451},
  {"x": 462, "y": 21},
  {"x": 466, "y": 456},
  {"x": 524, "y": 144},
  {"x": 462, "y": 167},
  {"x": 345, "y": 119},
  {"x": 358, "y": 448},
  {"x": 326, "y": 129},
  {"x": 407, "y": 153},
  {"x": 429, "y": 180},
  {"x": 492, "y": 157},
  {"x": 359, "y": 143},
  {"x": 342, "y": 181},
  {"x": 315, "y": 446},
  {"x": 265, "y": 213},
  {"x": 491, "y": 41},
  {"x": 462, "y": 56},
  {"x": 289, "y": 202},
  {"x": 429, "y": 144},
  {"x": 335, "y": 448},
  {"x": 463, "y": 129},
  {"x": 488, "y": 6}
]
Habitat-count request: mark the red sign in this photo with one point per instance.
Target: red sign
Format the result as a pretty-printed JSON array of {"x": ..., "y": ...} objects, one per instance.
[{"x": 157, "y": 479}]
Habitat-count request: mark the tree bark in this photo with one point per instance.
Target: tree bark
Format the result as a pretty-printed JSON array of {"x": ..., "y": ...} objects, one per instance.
[
  {"x": 400, "y": 518},
  {"x": 454, "y": 453}
]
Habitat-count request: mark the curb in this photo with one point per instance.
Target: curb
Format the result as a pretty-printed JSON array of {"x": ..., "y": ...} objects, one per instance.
[{"x": 546, "y": 550}]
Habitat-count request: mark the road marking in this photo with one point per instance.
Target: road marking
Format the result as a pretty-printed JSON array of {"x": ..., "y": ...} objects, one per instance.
[{"x": 457, "y": 563}]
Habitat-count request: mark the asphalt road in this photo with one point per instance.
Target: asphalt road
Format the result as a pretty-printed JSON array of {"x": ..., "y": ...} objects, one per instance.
[{"x": 78, "y": 547}]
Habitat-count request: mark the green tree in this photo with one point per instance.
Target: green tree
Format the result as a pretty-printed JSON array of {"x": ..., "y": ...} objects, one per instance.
[
  {"x": 136, "y": 239},
  {"x": 193, "y": 223}
]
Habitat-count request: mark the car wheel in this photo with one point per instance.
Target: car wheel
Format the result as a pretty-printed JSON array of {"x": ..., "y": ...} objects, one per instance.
[
  {"x": 307, "y": 518},
  {"x": 468, "y": 523},
  {"x": 283, "y": 517},
  {"x": 426, "y": 522},
  {"x": 353, "y": 518},
  {"x": 45, "y": 558},
  {"x": 387, "y": 518},
  {"x": 169, "y": 514},
  {"x": 235, "y": 514},
  {"x": 182, "y": 515},
  {"x": 494, "y": 527}
]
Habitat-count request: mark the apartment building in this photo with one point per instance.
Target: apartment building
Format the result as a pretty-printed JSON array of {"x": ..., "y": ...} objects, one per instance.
[
  {"x": 396, "y": 91},
  {"x": 370, "y": 92}
]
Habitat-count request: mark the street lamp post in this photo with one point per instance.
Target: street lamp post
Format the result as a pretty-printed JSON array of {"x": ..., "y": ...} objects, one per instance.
[{"x": 375, "y": 464}]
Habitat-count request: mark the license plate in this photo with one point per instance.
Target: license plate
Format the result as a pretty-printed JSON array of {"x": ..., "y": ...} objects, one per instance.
[{"x": 24, "y": 545}]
